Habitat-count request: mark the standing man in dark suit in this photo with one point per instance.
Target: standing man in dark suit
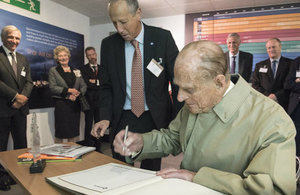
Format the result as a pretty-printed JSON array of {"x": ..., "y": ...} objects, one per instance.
[
  {"x": 293, "y": 84},
  {"x": 15, "y": 89},
  {"x": 237, "y": 60},
  {"x": 269, "y": 75},
  {"x": 91, "y": 75},
  {"x": 137, "y": 98}
]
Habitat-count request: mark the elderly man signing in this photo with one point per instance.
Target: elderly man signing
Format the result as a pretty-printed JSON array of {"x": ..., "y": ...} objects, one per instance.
[{"x": 234, "y": 139}]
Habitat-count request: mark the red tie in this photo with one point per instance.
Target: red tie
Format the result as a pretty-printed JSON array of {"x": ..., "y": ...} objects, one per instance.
[{"x": 137, "y": 86}]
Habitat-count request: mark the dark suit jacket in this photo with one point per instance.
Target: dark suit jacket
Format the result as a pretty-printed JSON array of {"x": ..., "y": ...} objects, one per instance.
[
  {"x": 267, "y": 84},
  {"x": 10, "y": 85},
  {"x": 245, "y": 64},
  {"x": 158, "y": 43},
  {"x": 294, "y": 87},
  {"x": 92, "y": 92}
]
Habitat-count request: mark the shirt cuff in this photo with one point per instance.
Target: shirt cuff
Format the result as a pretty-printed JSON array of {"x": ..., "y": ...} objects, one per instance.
[
  {"x": 14, "y": 98},
  {"x": 135, "y": 154}
]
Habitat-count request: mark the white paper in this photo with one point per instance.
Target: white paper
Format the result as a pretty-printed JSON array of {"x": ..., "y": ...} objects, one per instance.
[
  {"x": 108, "y": 177},
  {"x": 298, "y": 73},
  {"x": 116, "y": 179},
  {"x": 66, "y": 150},
  {"x": 172, "y": 186}
]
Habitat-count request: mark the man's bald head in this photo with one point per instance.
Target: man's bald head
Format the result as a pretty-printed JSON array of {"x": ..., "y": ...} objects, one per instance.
[
  {"x": 203, "y": 59},
  {"x": 202, "y": 76}
]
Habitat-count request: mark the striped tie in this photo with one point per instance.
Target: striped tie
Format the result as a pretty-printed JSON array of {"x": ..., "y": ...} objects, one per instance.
[{"x": 13, "y": 63}]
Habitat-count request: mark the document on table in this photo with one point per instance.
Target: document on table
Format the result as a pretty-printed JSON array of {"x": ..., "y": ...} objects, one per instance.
[
  {"x": 67, "y": 150},
  {"x": 107, "y": 177},
  {"x": 116, "y": 179}
]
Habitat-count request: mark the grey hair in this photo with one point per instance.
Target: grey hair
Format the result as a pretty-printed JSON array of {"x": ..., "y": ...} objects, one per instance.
[
  {"x": 7, "y": 29},
  {"x": 133, "y": 5},
  {"x": 236, "y": 35}
]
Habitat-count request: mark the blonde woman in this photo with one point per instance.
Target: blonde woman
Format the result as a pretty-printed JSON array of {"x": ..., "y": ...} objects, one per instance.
[{"x": 66, "y": 84}]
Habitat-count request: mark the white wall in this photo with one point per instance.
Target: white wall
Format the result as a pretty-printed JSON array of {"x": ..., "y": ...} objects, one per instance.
[
  {"x": 175, "y": 24},
  {"x": 57, "y": 15}
]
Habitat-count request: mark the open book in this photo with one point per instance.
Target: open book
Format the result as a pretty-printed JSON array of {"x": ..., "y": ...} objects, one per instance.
[{"x": 116, "y": 179}]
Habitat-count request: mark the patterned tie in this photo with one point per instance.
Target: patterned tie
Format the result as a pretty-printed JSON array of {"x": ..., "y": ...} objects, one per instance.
[
  {"x": 95, "y": 69},
  {"x": 14, "y": 63},
  {"x": 274, "y": 67},
  {"x": 232, "y": 71},
  {"x": 137, "y": 88}
]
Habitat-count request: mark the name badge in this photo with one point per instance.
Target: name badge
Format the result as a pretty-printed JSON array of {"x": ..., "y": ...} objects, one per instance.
[
  {"x": 23, "y": 73},
  {"x": 298, "y": 73},
  {"x": 263, "y": 70},
  {"x": 155, "y": 67}
]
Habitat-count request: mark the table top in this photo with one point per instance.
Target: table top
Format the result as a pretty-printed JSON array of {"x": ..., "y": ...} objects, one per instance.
[{"x": 36, "y": 184}]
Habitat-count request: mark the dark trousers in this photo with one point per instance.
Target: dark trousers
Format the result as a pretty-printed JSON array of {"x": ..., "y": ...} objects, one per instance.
[
  {"x": 142, "y": 124},
  {"x": 296, "y": 118},
  {"x": 89, "y": 140},
  {"x": 15, "y": 124}
]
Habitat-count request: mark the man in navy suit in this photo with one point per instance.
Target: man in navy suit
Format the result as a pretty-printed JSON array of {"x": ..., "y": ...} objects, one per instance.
[
  {"x": 15, "y": 89},
  {"x": 269, "y": 75},
  {"x": 158, "y": 52},
  {"x": 91, "y": 75},
  {"x": 238, "y": 61},
  {"x": 293, "y": 84}
]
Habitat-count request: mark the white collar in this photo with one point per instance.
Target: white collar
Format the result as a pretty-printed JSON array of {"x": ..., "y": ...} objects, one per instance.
[
  {"x": 7, "y": 51},
  {"x": 93, "y": 64},
  {"x": 277, "y": 59},
  {"x": 236, "y": 55},
  {"x": 231, "y": 85}
]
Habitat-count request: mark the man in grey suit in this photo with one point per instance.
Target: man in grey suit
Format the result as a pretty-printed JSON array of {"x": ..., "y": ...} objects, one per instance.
[
  {"x": 238, "y": 61},
  {"x": 15, "y": 89}
]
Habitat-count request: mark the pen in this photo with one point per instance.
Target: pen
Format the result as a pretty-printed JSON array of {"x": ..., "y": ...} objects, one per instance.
[{"x": 125, "y": 136}]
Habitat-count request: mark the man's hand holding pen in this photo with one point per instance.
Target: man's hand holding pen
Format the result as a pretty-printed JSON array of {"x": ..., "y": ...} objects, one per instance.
[{"x": 126, "y": 147}]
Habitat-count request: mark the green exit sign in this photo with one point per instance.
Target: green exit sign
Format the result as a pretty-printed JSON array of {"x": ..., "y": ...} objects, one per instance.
[{"x": 30, "y": 5}]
